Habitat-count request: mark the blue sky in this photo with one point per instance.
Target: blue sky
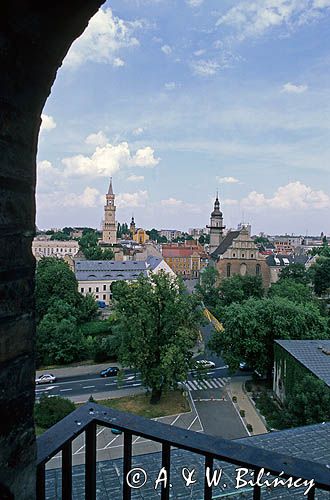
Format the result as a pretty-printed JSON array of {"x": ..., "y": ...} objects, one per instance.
[{"x": 178, "y": 98}]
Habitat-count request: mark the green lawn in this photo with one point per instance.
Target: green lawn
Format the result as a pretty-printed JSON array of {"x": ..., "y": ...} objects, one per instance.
[{"x": 171, "y": 403}]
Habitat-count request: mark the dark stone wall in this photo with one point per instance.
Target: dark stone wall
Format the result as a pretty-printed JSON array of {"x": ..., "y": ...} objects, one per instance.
[{"x": 35, "y": 35}]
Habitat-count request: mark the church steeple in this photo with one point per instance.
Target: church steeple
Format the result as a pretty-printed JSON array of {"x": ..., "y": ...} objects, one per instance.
[
  {"x": 216, "y": 226},
  {"x": 110, "y": 190}
]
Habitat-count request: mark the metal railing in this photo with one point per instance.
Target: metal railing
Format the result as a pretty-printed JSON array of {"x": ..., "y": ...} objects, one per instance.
[{"x": 85, "y": 419}]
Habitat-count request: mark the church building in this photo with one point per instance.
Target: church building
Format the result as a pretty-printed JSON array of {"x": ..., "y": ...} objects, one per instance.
[{"x": 216, "y": 226}]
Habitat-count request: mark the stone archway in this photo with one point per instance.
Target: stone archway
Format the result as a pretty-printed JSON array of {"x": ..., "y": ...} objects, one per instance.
[{"x": 35, "y": 36}]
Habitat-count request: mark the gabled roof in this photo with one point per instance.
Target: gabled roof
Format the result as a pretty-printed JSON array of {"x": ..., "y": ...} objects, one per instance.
[
  {"x": 225, "y": 244},
  {"x": 312, "y": 354},
  {"x": 95, "y": 270},
  {"x": 279, "y": 260}
]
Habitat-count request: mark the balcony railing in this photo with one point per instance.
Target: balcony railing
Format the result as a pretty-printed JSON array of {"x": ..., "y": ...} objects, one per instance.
[{"x": 85, "y": 419}]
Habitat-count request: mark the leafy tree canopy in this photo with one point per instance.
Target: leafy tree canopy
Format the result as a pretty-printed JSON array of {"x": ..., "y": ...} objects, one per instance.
[
  {"x": 322, "y": 251},
  {"x": 292, "y": 290},
  {"x": 239, "y": 288},
  {"x": 158, "y": 325},
  {"x": 88, "y": 244},
  {"x": 207, "y": 286},
  {"x": 49, "y": 411},
  {"x": 309, "y": 402},
  {"x": 320, "y": 275},
  {"x": 261, "y": 239},
  {"x": 296, "y": 272},
  {"x": 252, "y": 326},
  {"x": 60, "y": 235}
]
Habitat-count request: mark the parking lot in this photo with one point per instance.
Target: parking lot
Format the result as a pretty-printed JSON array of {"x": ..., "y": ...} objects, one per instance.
[{"x": 110, "y": 446}]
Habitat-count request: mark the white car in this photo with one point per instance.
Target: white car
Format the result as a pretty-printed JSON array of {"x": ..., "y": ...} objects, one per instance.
[
  {"x": 46, "y": 378},
  {"x": 204, "y": 364}
]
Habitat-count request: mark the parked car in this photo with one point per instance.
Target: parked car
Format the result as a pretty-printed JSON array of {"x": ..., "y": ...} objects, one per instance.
[
  {"x": 204, "y": 364},
  {"x": 244, "y": 367},
  {"x": 46, "y": 378},
  {"x": 101, "y": 304},
  {"x": 116, "y": 431},
  {"x": 112, "y": 371}
]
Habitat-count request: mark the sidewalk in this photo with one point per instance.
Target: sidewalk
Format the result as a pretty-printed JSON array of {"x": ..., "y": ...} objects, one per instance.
[
  {"x": 243, "y": 403},
  {"x": 77, "y": 371}
]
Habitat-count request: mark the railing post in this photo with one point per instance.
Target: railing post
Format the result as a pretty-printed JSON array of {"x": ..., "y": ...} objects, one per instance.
[
  {"x": 67, "y": 471},
  {"x": 207, "y": 486},
  {"x": 256, "y": 488},
  {"x": 127, "y": 465},
  {"x": 41, "y": 482},
  {"x": 90, "y": 462},
  {"x": 166, "y": 464}
]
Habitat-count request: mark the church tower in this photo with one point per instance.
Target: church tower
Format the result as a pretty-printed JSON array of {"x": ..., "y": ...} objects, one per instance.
[
  {"x": 132, "y": 227},
  {"x": 109, "y": 233},
  {"x": 216, "y": 226}
]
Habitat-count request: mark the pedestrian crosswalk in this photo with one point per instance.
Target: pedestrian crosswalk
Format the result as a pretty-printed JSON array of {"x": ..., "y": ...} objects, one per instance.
[{"x": 211, "y": 383}]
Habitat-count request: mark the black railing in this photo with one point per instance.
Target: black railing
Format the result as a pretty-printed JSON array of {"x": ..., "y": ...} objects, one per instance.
[{"x": 85, "y": 419}]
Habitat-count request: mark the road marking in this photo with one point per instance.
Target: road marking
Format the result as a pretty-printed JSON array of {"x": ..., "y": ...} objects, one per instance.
[
  {"x": 130, "y": 378},
  {"x": 192, "y": 423},
  {"x": 134, "y": 385},
  {"x": 63, "y": 390},
  {"x": 208, "y": 384},
  {"x": 191, "y": 385},
  {"x": 114, "y": 439},
  {"x": 112, "y": 383},
  {"x": 87, "y": 387}
]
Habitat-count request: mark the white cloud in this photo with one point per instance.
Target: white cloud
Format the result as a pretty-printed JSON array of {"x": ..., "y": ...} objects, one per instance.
[
  {"x": 291, "y": 88},
  {"x": 117, "y": 62},
  {"x": 199, "y": 52},
  {"x": 105, "y": 35},
  {"x": 135, "y": 178},
  {"x": 47, "y": 123},
  {"x": 107, "y": 160},
  {"x": 205, "y": 68},
  {"x": 98, "y": 139},
  {"x": 171, "y": 202},
  {"x": 292, "y": 196},
  {"x": 89, "y": 198},
  {"x": 166, "y": 49},
  {"x": 138, "y": 131},
  {"x": 227, "y": 180},
  {"x": 170, "y": 86},
  {"x": 132, "y": 200},
  {"x": 194, "y": 3},
  {"x": 253, "y": 19},
  {"x": 48, "y": 177}
]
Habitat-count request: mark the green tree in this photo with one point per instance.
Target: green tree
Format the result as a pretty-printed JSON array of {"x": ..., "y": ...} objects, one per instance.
[
  {"x": 153, "y": 234},
  {"x": 296, "y": 272},
  {"x": 88, "y": 244},
  {"x": 54, "y": 280},
  {"x": 87, "y": 308},
  {"x": 201, "y": 239},
  {"x": 207, "y": 286},
  {"x": 239, "y": 288},
  {"x": 252, "y": 326},
  {"x": 49, "y": 411},
  {"x": 59, "y": 340},
  {"x": 292, "y": 290},
  {"x": 60, "y": 235},
  {"x": 261, "y": 240},
  {"x": 322, "y": 251},
  {"x": 320, "y": 273},
  {"x": 308, "y": 402},
  {"x": 158, "y": 324}
]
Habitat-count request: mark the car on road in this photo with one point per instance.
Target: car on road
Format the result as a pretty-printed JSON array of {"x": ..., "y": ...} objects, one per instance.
[
  {"x": 244, "y": 367},
  {"x": 116, "y": 431},
  {"x": 112, "y": 371},
  {"x": 46, "y": 378},
  {"x": 204, "y": 364}
]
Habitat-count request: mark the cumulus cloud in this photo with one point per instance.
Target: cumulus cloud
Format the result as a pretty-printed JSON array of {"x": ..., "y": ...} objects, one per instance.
[
  {"x": 166, "y": 49},
  {"x": 132, "y": 200},
  {"x": 253, "y": 19},
  {"x": 194, "y": 3},
  {"x": 174, "y": 204},
  {"x": 48, "y": 177},
  {"x": 171, "y": 202},
  {"x": 205, "y": 68},
  {"x": 292, "y": 196},
  {"x": 89, "y": 198},
  {"x": 138, "y": 131},
  {"x": 291, "y": 88},
  {"x": 108, "y": 159},
  {"x": 135, "y": 178},
  {"x": 97, "y": 139},
  {"x": 105, "y": 35},
  {"x": 227, "y": 180},
  {"x": 47, "y": 123},
  {"x": 170, "y": 86}
]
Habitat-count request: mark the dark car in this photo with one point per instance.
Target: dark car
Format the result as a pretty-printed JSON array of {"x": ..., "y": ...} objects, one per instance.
[{"x": 112, "y": 371}]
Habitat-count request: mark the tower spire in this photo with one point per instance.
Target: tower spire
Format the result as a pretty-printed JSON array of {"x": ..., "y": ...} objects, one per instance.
[{"x": 110, "y": 190}]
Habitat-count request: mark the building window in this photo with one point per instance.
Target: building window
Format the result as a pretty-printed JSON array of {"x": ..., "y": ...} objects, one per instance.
[
  {"x": 228, "y": 270},
  {"x": 258, "y": 269},
  {"x": 251, "y": 255},
  {"x": 81, "y": 290},
  {"x": 234, "y": 255},
  {"x": 96, "y": 296},
  {"x": 104, "y": 297},
  {"x": 242, "y": 254},
  {"x": 243, "y": 270},
  {"x": 97, "y": 289},
  {"x": 104, "y": 287},
  {"x": 90, "y": 290}
]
